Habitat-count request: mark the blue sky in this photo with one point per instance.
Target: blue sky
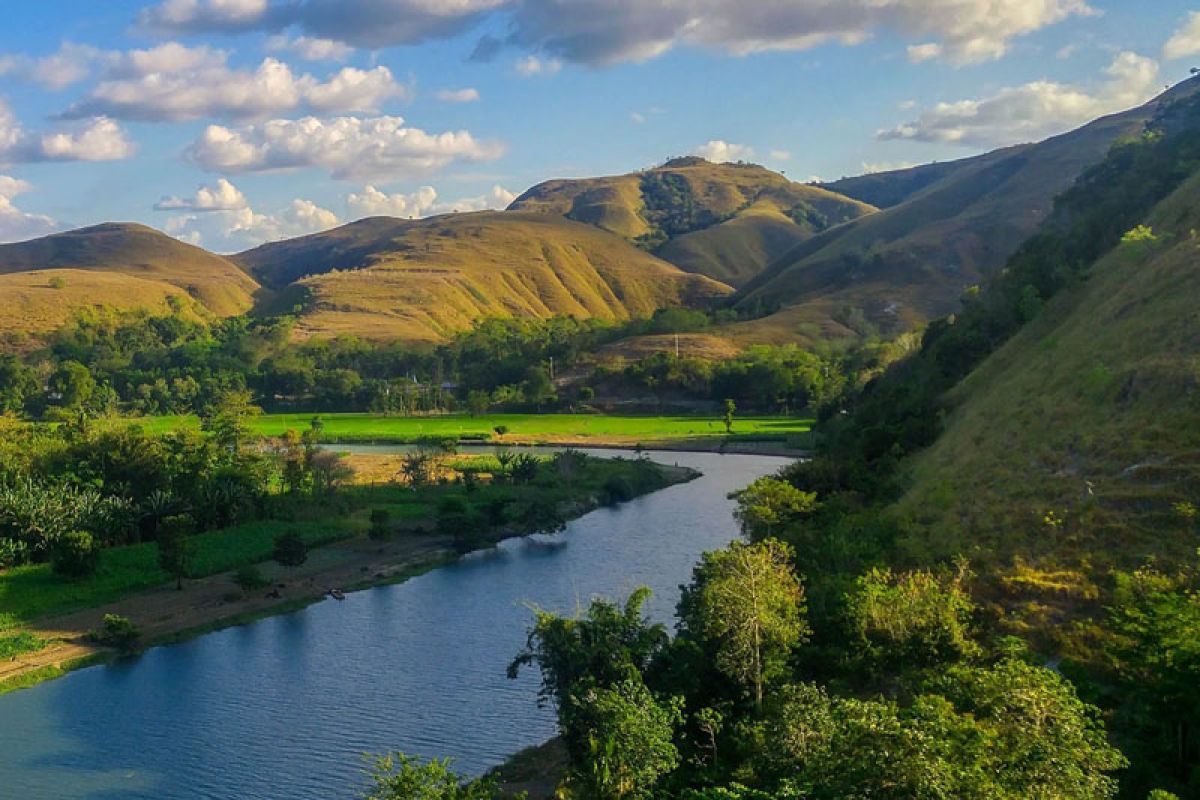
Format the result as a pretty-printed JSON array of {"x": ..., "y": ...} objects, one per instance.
[{"x": 232, "y": 122}]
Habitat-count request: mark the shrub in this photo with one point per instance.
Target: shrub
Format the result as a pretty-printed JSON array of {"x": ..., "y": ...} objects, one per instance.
[
  {"x": 250, "y": 577},
  {"x": 115, "y": 631},
  {"x": 500, "y": 430},
  {"x": 290, "y": 549},
  {"x": 616, "y": 489},
  {"x": 57, "y": 283},
  {"x": 380, "y": 524},
  {"x": 75, "y": 554}
]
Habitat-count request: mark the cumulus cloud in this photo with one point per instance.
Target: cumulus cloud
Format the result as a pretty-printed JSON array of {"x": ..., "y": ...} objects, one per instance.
[
  {"x": 781, "y": 155},
  {"x": 222, "y": 197},
  {"x": 719, "y": 151},
  {"x": 98, "y": 139},
  {"x": 1185, "y": 41},
  {"x": 71, "y": 64},
  {"x": 350, "y": 148},
  {"x": 227, "y": 229},
  {"x": 467, "y": 95},
  {"x": 15, "y": 224},
  {"x": 1033, "y": 111},
  {"x": 919, "y": 53},
  {"x": 310, "y": 48},
  {"x": 371, "y": 202},
  {"x": 609, "y": 31},
  {"x": 175, "y": 83},
  {"x": 532, "y": 66}
]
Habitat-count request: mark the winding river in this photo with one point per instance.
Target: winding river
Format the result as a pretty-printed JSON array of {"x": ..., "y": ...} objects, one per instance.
[{"x": 285, "y": 707}]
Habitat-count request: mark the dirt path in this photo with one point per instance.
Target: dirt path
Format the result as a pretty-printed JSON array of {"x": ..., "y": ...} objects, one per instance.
[{"x": 208, "y": 601}]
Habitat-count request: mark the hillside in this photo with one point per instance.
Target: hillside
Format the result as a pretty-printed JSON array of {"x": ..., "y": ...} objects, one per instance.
[
  {"x": 1091, "y": 412},
  {"x": 726, "y": 221},
  {"x": 945, "y": 227},
  {"x": 40, "y": 302},
  {"x": 424, "y": 280},
  {"x": 159, "y": 263}
]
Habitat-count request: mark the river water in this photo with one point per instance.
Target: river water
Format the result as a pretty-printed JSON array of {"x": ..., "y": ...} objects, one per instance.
[{"x": 285, "y": 708}]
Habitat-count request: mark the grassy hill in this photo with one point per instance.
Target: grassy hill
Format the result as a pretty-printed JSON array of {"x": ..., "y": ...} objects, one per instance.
[
  {"x": 158, "y": 263},
  {"x": 943, "y": 229},
  {"x": 1091, "y": 413},
  {"x": 40, "y": 302},
  {"x": 726, "y": 221},
  {"x": 424, "y": 280}
]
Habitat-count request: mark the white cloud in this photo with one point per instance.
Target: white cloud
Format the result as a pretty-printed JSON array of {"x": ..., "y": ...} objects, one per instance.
[
  {"x": 532, "y": 66},
  {"x": 1035, "y": 110},
  {"x": 467, "y": 95},
  {"x": 423, "y": 202},
  {"x": 98, "y": 139},
  {"x": 351, "y": 148},
  {"x": 871, "y": 168},
  {"x": 781, "y": 155},
  {"x": 609, "y": 31},
  {"x": 919, "y": 53},
  {"x": 310, "y": 48},
  {"x": 1185, "y": 41},
  {"x": 175, "y": 83},
  {"x": 242, "y": 227},
  {"x": 222, "y": 197},
  {"x": 719, "y": 151},
  {"x": 637, "y": 117},
  {"x": 15, "y": 224}
]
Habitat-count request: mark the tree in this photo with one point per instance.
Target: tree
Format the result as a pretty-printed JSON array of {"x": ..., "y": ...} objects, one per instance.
[
  {"x": 478, "y": 402},
  {"x": 524, "y": 468},
  {"x": 71, "y": 385},
  {"x": 290, "y": 549},
  {"x": 629, "y": 739},
  {"x": 18, "y": 384},
  {"x": 175, "y": 549},
  {"x": 400, "y": 777},
  {"x": 228, "y": 420},
  {"x": 75, "y": 554},
  {"x": 747, "y": 602},
  {"x": 769, "y": 504},
  {"x": 730, "y": 408}
]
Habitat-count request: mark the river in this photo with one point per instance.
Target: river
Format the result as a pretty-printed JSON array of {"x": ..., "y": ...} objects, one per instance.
[{"x": 284, "y": 708}]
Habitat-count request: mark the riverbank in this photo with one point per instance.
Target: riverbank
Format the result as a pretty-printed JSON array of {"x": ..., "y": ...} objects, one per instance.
[{"x": 164, "y": 614}]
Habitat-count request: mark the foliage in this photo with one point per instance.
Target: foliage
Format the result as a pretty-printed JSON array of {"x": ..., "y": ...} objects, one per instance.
[
  {"x": 769, "y": 504},
  {"x": 175, "y": 549},
  {"x": 75, "y": 554},
  {"x": 249, "y": 577},
  {"x": 400, "y": 777},
  {"x": 116, "y": 631},
  {"x": 290, "y": 549}
]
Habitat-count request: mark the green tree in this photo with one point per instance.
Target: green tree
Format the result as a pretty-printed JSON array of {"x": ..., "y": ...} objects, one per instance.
[
  {"x": 478, "y": 402},
  {"x": 18, "y": 384},
  {"x": 75, "y": 554},
  {"x": 400, "y": 777},
  {"x": 175, "y": 548},
  {"x": 71, "y": 385},
  {"x": 769, "y": 504},
  {"x": 228, "y": 420},
  {"x": 730, "y": 408},
  {"x": 629, "y": 735},
  {"x": 747, "y": 602}
]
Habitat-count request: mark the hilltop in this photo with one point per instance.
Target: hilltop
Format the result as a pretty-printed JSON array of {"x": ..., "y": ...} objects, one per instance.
[
  {"x": 726, "y": 221},
  {"x": 140, "y": 252},
  {"x": 423, "y": 280}
]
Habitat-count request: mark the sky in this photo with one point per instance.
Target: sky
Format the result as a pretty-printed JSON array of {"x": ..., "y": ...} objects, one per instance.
[{"x": 228, "y": 123}]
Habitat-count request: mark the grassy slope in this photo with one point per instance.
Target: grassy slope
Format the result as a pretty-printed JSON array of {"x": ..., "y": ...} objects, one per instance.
[
  {"x": 425, "y": 280},
  {"x": 33, "y": 307},
  {"x": 140, "y": 252},
  {"x": 752, "y": 197},
  {"x": 1091, "y": 412},
  {"x": 911, "y": 262},
  {"x": 367, "y": 427}
]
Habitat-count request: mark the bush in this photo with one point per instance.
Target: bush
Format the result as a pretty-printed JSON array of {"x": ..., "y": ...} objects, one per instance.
[
  {"x": 250, "y": 577},
  {"x": 381, "y": 527},
  {"x": 290, "y": 549},
  {"x": 115, "y": 631},
  {"x": 500, "y": 430},
  {"x": 75, "y": 554},
  {"x": 616, "y": 489}
]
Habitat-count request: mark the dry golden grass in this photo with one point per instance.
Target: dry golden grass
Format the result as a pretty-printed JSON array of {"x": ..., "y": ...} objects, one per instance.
[
  {"x": 428, "y": 279},
  {"x": 32, "y": 305},
  {"x": 138, "y": 252}
]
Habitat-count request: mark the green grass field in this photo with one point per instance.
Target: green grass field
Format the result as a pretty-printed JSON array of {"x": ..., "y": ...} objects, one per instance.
[{"x": 521, "y": 427}]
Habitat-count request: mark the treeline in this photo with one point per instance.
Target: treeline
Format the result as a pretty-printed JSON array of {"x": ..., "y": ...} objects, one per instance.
[{"x": 107, "y": 362}]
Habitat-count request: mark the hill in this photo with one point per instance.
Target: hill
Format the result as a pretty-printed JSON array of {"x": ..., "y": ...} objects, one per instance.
[
  {"x": 726, "y": 221},
  {"x": 943, "y": 229},
  {"x": 159, "y": 262},
  {"x": 424, "y": 280},
  {"x": 42, "y": 301}
]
